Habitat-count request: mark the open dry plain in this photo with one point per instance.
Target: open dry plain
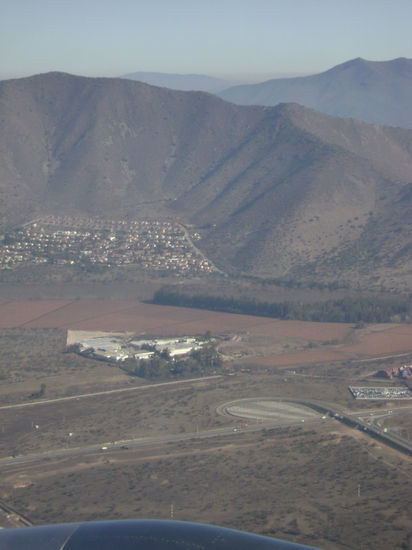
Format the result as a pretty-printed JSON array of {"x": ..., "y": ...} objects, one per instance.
[
  {"x": 284, "y": 478},
  {"x": 300, "y": 484}
]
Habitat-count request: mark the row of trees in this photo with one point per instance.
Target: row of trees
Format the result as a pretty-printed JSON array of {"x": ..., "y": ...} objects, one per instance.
[{"x": 345, "y": 310}]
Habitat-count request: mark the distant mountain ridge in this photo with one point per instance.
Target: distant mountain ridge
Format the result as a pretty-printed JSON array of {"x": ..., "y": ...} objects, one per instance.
[
  {"x": 378, "y": 92},
  {"x": 182, "y": 82},
  {"x": 280, "y": 191}
]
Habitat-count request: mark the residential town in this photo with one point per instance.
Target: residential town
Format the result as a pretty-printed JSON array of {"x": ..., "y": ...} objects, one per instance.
[{"x": 89, "y": 242}]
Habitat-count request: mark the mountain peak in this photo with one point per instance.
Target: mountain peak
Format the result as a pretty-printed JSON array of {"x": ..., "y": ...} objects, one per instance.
[
  {"x": 378, "y": 92},
  {"x": 183, "y": 82}
]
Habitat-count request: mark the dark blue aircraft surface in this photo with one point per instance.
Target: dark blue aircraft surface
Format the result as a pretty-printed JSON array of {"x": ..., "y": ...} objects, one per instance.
[{"x": 137, "y": 535}]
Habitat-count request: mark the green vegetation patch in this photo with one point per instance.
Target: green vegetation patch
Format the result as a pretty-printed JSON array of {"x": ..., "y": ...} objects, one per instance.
[
  {"x": 199, "y": 362},
  {"x": 345, "y": 310}
]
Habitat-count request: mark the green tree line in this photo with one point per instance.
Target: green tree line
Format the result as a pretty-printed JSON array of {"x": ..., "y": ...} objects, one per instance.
[{"x": 345, "y": 310}]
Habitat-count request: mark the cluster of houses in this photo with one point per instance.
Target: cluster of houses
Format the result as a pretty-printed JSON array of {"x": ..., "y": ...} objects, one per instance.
[
  {"x": 116, "y": 349},
  {"x": 153, "y": 245},
  {"x": 404, "y": 372}
]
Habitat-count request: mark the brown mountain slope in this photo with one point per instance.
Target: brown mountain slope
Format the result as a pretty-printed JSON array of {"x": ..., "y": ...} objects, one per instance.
[
  {"x": 106, "y": 145},
  {"x": 374, "y": 91},
  {"x": 281, "y": 191},
  {"x": 329, "y": 201}
]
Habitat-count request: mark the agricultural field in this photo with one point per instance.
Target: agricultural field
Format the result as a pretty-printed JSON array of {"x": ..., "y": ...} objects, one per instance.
[
  {"x": 117, "y": 315},
  {"x": 319, "y": 341}
]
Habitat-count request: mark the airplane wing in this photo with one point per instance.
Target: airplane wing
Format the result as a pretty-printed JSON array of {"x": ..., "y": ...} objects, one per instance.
[{"x": 137, "y": 535}]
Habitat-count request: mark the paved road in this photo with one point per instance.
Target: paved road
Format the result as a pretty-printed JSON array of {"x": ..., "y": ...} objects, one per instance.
[
  {"x": 202, "y": 254},
  {"x": 107, "y": 392},
  {"x": 147, "y": 442},
  {"x": 374, "y": 417},
  {"x": 354, "y": 420},
  {"x": 371, "y": 412},
  {"x": 375, "y": 429}
]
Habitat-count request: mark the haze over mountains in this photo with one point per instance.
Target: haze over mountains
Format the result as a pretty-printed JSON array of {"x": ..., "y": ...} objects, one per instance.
[
  {"x": 183, "y": 82},
  {"x": 275, "y": 191},
  {"x": 378, "y": 92}
]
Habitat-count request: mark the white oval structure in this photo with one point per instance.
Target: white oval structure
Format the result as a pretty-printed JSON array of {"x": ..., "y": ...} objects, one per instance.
[{"x": 266, "y": 408}]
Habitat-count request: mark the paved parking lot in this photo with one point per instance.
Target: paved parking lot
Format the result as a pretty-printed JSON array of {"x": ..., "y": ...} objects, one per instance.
[
  {"x": 368, "y": 392},
  {"x": 267, "y": 409}
]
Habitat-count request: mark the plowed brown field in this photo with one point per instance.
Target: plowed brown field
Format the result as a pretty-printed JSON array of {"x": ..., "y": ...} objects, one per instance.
[
  {"x": 115, "y": 315},
  {"x": 342, "y": 341}
]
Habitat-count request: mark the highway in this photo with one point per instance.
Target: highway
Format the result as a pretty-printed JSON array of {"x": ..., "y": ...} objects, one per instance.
[
  {"x": 375, "y": 429},
  {"x": 355, "y": 420},
  {"x": 146, "y": 442},
  {"x": 14, "y": 516}
]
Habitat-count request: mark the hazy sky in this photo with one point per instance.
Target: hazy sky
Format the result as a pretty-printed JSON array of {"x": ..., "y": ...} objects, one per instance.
[{"x": 113, "y": 37}]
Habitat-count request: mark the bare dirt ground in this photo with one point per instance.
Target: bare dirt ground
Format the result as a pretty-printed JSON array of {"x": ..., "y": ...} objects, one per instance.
[
  {"x": 390, "y": 339},
  {"x": 270, "y": 342},
  {"x": 312, "y": 486},
  {"x": 350, "y": 344},
  {"x": 118, "y": 315},
  {"x": 401, "y": 424},
  {"x": 75, "y": 336},
  {"x": 17, "y": 314}
]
